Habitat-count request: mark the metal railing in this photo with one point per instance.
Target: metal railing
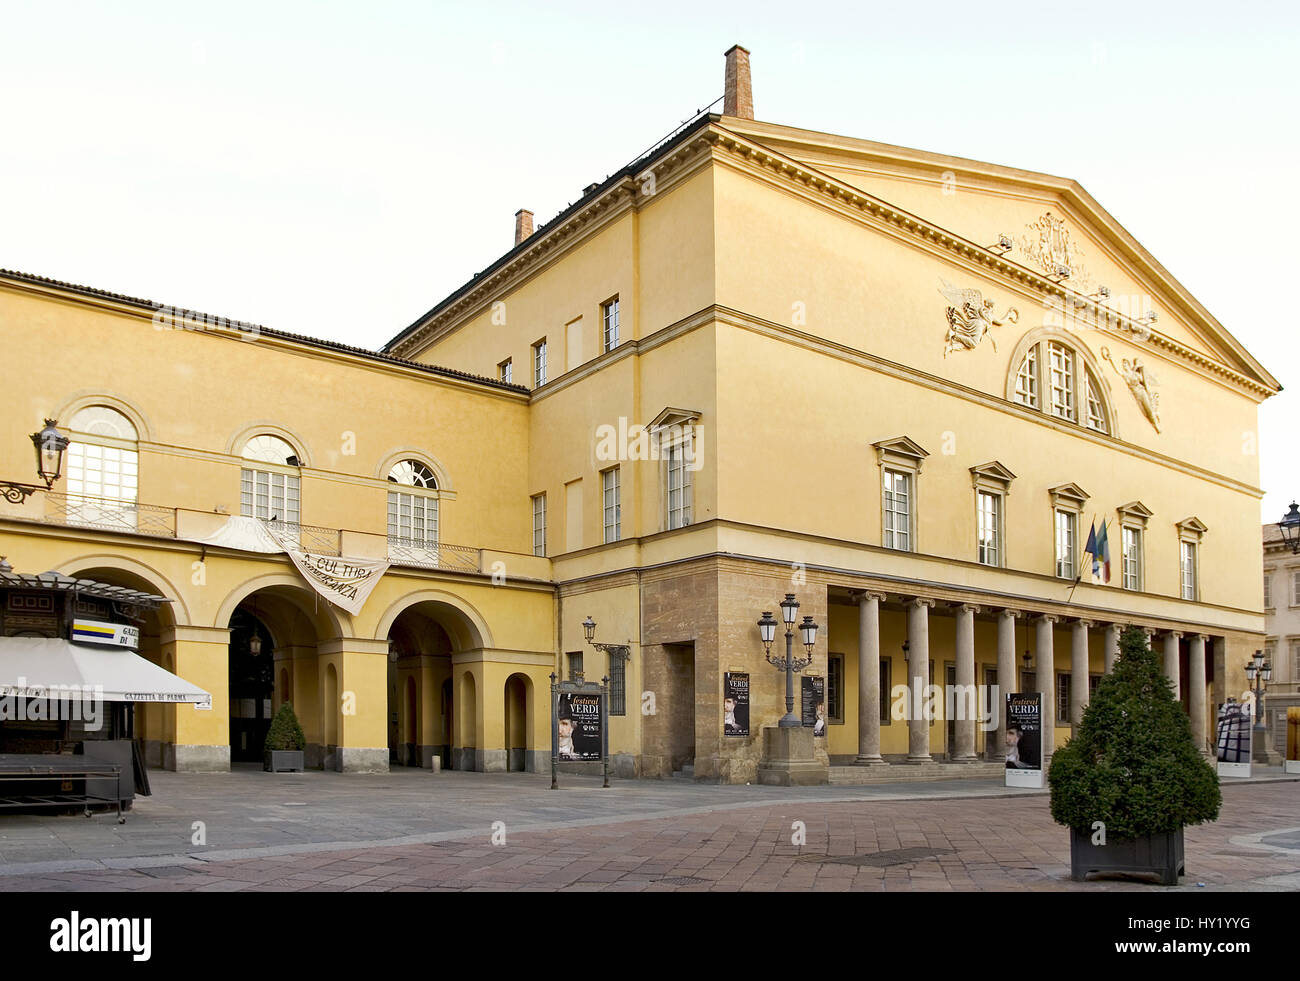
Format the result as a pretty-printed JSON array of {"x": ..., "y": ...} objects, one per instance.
[
  {"x": 424, "y": 554},
  {"x": 109, "y": 514},
  {"x": 310, "y": 538}
]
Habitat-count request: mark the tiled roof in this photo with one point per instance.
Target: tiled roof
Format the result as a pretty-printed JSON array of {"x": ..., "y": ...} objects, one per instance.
[{"x": 270, "y": 332}]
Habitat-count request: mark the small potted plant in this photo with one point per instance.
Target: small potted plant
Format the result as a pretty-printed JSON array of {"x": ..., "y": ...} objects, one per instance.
[
  {"x": 284, "y": 742},
  {"x": 1131, "y": 779}
]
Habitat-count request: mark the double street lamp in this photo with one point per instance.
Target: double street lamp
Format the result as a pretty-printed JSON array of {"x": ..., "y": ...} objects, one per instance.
[
  {"x": 789, "y": 664},
  {"x": 1259, "y": 673}
]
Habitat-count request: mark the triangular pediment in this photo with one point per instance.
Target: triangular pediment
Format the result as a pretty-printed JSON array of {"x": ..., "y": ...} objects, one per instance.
[
  {"x": 1050, "y": 226},
  {"x": 673, "y": 417},
  {"x": 1135, "y": 511},
  {"x": 901, "y": 449},
  {"x": 1193, "y": 525},
  {"x": 993, "y": 471},
  {"x": 1068, "y": 494}
]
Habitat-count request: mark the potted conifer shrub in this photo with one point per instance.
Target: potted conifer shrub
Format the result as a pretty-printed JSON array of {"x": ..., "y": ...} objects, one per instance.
[
  {"x": 285, "y": 742},
  {"x": 1134, "y": 767}
]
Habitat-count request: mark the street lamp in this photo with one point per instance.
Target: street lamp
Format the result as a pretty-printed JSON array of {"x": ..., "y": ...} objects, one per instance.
[
  {"x": 50, "y": 445},
  {"x": 1290, "y": 528},
  {"x": 621, "y": 651},
  {"x": 789, "y": 664},
  {"x": 1259, "y": 673}
]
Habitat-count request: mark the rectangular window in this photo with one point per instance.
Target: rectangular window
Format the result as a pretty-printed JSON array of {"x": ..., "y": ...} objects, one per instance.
[
  {"x": 1295, "y": 587},
  {"x": 506, "y": 371},
  {"x": 613, "y": 508},
  {"x": 1063, "y": 698},
  {"x": 1065, "y": 536},
  {"x": 990, "y": 528},
  {"x": 103, "y": 471},
  {"x": 609, "y": 317},
  {"x": 268, "y": 494},
  {"x": 1027, "y": 379},
  {"x": 539, "y": 363},
  {"x": 1295, "y": 661},
  {"x": 539, "y": 524},
  {"x": 679, "y": 487},
  {"x": 1132, "y": 558},
  {"x": 1188, "y": 570},
  {"x": 898, "y": 510},
  {"x": 1028, "y": 681},
  {"x": 1268, "y": 590},
  {"x": 575, "y": 665},
  {"x": 617, "y": 686},
  {"x": 1060, "y": 360},
  {"x": 835, "y": 688},
  {"x": 413, "y": 519}
]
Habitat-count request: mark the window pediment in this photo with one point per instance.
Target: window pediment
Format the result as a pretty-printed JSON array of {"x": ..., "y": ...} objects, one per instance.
[
  {"x": 1068, "y": 496},
  {"x": 901, "y": 451},
  {"x": 672, "y": 417},
  {"x": 993, "y": 476},
  {"x": 1191, "y": 529},
  {"x": 1134, "y": 513}
]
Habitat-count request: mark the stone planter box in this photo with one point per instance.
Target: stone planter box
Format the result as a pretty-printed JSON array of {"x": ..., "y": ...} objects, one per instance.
[
  {"x": 283, "y": 761},
  {"x": 1159, "y": 855}
]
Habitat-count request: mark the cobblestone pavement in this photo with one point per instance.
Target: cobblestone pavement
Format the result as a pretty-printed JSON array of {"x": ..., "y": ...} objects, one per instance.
[{"x": 647, "y": 836}]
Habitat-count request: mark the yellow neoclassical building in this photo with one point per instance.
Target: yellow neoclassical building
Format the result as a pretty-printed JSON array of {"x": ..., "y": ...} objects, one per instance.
[{"x": 757, "y": 361}]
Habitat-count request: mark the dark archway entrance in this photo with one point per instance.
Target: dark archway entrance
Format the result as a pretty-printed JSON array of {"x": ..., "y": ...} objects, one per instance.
[{"x": 252, "y": 686}]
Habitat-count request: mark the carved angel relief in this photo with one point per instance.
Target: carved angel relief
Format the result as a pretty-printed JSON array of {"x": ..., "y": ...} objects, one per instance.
[
  {"x": 970, "y": 317},
  {"x": 1139, "y": 382}
]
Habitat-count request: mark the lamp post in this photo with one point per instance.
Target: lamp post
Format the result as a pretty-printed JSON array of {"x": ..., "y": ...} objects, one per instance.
[
  {"x": 1259, "y": 673},
  {"x": 621, "y": 651},
  {"x": 789, "y": 664},
  {"x": 1290, "y": 528},
  {"x": 50, "y": 445}
]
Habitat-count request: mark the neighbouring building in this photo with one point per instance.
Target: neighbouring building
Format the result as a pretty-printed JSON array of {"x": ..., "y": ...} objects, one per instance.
[
  {"x": 758, "y": 360},
  {"x": 1281, "y": 644}
]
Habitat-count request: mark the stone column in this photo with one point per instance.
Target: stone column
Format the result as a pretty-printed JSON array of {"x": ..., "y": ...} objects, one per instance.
[
  {"x": 1171, "y": 659},
  {"x": 1078, "y": 673},
  {"x": 1045, "y": 678},
  {"x": 1111, "y": 645},
  {"x": 918, "y": 676},
  {"x": 1006, "y": 676},
  {"x": 869, "y": 680},
  {"x": 1196, "y": 691},
  {"x": 965, "y": 702}
]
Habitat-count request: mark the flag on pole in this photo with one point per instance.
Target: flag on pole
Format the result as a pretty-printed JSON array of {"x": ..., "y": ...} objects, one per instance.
[
  {"x": 1091, "y": 548},
  {"x": 1103, "y": 546}
]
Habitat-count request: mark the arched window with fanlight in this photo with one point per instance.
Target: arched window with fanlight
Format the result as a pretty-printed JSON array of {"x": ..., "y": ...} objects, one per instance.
[
  {"x": 413, "y": 514},
  {"x": 1055, "y": 374},
  {"x": 103, "y": 468},
  {"x": 271, "y": 491}
]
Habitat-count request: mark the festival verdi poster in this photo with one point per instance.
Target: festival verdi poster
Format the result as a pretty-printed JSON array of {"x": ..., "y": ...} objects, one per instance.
[
  {"x": 813, "y": 689},
  {"x": 1024, "y": 731},
  {"x": 579, "y": 726},
  {"x": 735, "y": 704}
]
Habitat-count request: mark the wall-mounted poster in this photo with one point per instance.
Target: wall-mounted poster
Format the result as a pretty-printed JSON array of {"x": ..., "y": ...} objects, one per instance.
[
  {"x": 1024, "y": 739},
  {"x": 814, "y": 703},
  {"x": 579, "y": 725},
  {"x": 735, "y": 704},
  {"x": 1232, "y": 739}
]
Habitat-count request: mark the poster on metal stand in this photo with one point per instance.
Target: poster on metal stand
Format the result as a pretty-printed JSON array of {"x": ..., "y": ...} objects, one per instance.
[
  {"x": 579, "y": 726},
  {"x": 813, "y": 690},
  {"x": 1024, "y": 714},
  {"x": 1232, "y": 738}
]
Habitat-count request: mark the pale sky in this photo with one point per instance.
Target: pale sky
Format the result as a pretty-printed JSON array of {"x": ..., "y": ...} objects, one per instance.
[{"x": 334, "y": 169}]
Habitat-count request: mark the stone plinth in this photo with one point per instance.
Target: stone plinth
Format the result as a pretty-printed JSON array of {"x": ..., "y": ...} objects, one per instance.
[{"x": 789, "y": 759}]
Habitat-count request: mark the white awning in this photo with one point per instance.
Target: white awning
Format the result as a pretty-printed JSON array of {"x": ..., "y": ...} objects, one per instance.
[{"x": 50, "y": 667}]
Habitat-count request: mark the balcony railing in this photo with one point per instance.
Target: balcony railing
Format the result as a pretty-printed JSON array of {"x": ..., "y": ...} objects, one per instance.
[
  {"x": 310, "y": 538},
  {"x": 425, "y": 554},
  {"x": 109, "y": 514}
]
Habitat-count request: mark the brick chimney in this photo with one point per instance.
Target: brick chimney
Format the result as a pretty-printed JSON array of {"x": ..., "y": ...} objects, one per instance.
[
  {"x": 738, "y": 99},
  {"x": 524, "y": 223}
]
